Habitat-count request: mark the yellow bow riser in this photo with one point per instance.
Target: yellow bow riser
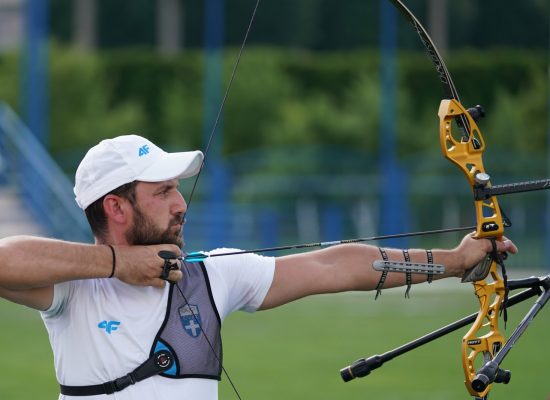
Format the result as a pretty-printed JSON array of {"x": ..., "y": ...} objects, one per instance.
[
  {"x": 467, "y": 155},
  {"x": 484, "y": 339}
]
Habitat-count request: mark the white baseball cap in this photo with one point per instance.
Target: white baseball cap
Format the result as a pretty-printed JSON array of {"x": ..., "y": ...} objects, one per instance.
[{"x": 124, "y": 159}]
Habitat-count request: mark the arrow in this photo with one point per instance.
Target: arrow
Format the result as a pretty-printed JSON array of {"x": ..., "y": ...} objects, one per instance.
[{"x": 199, "y": 256}]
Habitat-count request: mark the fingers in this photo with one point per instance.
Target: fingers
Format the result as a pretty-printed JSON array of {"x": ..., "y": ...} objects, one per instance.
[
  {"x": 170, "y": 269},
  {"x": 506, "y": 246},
  {"x": 175, "y": 275},
  {"x": 473, "y": 251},
  {"x": 168, "y": 247},
  {"x": 141, "y": 265}
]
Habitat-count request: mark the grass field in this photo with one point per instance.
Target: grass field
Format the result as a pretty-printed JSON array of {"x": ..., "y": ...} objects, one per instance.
[{"x": 296, "y": 351}]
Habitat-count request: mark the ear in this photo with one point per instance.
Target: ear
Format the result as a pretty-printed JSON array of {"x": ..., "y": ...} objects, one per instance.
[{"x": 117, "y": 208}]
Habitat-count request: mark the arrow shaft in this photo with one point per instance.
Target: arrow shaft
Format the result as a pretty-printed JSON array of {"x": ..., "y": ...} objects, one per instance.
[{"x": 336, "y": 242}]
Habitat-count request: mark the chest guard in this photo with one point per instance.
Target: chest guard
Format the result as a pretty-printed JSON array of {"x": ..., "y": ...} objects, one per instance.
[
  {"x": 191, "y": 328},
  {"x": 188, "y": 343}
]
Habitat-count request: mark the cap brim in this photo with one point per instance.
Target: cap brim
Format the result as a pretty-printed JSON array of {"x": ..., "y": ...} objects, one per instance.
[{"x": 173, "y": 166}]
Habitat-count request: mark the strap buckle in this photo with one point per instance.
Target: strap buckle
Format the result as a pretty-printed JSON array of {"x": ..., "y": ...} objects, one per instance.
[{"x": 119, "y": 384}]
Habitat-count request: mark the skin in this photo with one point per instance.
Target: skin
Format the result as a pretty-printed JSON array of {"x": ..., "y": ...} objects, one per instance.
[
  {"x": 157, "y": 216},
  {"x": 30, "y": 266}
]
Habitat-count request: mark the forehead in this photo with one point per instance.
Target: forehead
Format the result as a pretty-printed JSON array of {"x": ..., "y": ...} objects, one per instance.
[{"x": 151, "y": 186}]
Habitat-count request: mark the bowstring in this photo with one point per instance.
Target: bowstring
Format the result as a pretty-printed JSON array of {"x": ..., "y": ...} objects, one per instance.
[
  {"x": 206, "y": 150},
  {"x": 207, "y": 339},
  {"x": 222, "y": 105}
]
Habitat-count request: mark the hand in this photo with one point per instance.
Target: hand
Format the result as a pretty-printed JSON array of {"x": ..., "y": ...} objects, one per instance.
[
  {"x": 471, "y": 251},
  {"x": 141, "y": 265}
]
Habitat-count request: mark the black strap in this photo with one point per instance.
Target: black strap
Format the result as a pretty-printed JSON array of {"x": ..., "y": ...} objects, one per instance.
[
  {"x": 430, "y": 257},
  {"x": 160, "y": 361},
  {"x": 384, "y": 275},
  {"x": 408, "y": 276},
  {"x": 499, "y": 259}
]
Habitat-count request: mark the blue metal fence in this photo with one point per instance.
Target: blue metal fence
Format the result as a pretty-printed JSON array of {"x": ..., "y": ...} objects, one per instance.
[{"x": 42, "y": 185}]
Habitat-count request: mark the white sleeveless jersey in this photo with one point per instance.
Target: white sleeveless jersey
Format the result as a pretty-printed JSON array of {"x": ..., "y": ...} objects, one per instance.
[{"x": 102, "y": 329}]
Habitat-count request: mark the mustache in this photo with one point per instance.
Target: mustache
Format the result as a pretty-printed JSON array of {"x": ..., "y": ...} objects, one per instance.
[{"x": 177, "y": 221}]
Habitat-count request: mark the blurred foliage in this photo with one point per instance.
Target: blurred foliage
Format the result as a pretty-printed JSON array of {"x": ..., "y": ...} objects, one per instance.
[
  {"x": 80, "y": 111},
  {"x": 327, "y": 25},
  {"x": 521, "y": 117},
  {"x": 282, "y": 98}
]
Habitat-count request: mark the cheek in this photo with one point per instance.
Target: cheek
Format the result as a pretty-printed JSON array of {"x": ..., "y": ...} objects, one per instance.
[{"x": 154, "y": 210}]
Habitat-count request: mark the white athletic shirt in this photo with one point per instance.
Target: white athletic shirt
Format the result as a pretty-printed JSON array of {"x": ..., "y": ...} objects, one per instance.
[{"x": 102, "y": 329}]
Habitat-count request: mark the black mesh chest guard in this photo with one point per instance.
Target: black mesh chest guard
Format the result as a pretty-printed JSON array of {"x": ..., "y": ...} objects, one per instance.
[{"x": 191, "y": 327}]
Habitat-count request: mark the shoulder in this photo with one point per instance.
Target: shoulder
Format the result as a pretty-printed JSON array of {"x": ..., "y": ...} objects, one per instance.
[
  {"x": 233, "y": 259},
  {"x": 244, "y": 278}
]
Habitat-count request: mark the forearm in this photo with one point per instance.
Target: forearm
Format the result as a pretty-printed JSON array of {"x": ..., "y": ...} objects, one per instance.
[
  {"x": 350, "y": 267},
  {"x": 31, "y": 262}
]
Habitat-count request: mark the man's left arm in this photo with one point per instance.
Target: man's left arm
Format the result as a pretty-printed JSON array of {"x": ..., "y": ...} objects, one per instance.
[{"x": 349, "y": 267}]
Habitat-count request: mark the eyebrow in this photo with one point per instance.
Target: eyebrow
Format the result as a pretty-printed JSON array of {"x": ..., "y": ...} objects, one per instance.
[{"x": 167, "y": 185}]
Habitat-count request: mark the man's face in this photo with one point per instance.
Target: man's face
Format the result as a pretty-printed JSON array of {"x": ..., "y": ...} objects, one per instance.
[{"x": 158, "y": 214}]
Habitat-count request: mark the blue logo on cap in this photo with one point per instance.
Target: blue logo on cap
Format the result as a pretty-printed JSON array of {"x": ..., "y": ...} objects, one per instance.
[{"x": 143, "y": 150}]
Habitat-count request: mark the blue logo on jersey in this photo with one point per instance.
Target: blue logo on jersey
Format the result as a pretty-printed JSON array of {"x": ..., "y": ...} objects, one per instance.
[
  {"x": 109, "y": 326},
  {"x": 143, "y": 150},
  {"x": 190, "y": 319}
]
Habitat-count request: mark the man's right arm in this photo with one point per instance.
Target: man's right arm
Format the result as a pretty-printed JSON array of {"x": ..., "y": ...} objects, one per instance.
[{"x": 30, "y": 266}]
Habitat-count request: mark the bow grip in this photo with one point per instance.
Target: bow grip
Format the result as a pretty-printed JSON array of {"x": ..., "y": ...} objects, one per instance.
[{"x": 480, "y": 271}]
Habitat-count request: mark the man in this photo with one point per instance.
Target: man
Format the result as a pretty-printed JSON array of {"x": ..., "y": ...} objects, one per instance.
[{"x": 104, "y": 330}]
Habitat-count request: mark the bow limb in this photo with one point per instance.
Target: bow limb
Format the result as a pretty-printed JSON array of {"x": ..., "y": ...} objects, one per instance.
[{"x": 484, "y": 338}]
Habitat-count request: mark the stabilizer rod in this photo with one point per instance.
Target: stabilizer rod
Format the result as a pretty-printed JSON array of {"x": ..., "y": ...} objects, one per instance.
[
  {"x": 363, "y": 367},
  {"x": 491, "y": 372}
]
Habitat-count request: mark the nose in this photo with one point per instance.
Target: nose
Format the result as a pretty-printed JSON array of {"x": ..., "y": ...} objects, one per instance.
[{"x": 180, "y": 206}]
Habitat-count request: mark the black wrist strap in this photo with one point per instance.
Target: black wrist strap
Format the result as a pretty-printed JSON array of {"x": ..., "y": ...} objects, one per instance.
[{"x": 114, "y": 261}]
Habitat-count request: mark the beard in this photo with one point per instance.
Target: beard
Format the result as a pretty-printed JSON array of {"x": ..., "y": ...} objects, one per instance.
[{"x": 146, "y": 232}]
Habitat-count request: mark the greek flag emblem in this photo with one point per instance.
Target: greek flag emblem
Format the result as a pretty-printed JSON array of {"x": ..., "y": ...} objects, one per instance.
[{"x": 190, "y": 319}]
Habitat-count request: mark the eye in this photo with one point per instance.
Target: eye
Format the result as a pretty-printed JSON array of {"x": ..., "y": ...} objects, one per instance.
[{"x": 164, "y": 191}]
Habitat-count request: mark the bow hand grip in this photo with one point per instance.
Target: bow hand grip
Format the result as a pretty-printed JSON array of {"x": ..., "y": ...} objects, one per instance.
[{"x": 480, "y": 271}]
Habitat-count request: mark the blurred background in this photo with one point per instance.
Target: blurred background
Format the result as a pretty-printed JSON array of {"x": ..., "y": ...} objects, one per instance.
[{"x": 330, "y": 131}]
